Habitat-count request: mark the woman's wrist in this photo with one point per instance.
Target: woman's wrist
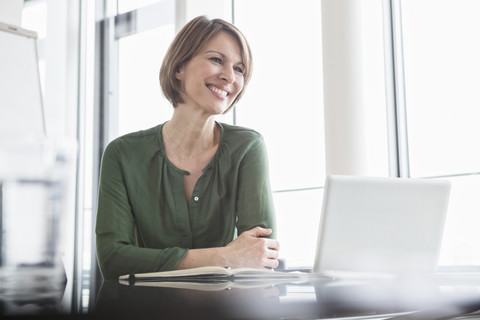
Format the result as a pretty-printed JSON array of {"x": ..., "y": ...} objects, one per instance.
[
  {"x": 205, "y": 257},
  {"x": 220, "y": 257}
]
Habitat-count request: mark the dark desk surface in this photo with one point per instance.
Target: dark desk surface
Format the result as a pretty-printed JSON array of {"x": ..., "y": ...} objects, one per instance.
[{"x": 412, "y": 298}]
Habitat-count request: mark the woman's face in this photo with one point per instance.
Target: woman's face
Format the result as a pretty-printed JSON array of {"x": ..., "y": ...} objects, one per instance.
[{"x": 213, "y": 78}]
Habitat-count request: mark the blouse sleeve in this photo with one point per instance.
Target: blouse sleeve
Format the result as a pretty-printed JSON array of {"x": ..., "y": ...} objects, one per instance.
[
  {"x": 255, "y": 203},
  {"x": 118, "y": 252}
]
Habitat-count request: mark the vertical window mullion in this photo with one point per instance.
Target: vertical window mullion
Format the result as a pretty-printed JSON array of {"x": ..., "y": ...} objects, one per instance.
[{"x": 395, "y": 90}]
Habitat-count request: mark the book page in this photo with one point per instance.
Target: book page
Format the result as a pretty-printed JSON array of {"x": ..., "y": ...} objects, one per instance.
[{"x": 210, "y": 273}]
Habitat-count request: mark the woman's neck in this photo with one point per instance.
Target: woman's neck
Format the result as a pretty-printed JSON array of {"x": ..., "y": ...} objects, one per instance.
[{"x": 189, "y": 137}]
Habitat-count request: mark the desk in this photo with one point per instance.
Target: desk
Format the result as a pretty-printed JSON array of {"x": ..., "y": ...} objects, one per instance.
[{"x": 405, "y": 298}]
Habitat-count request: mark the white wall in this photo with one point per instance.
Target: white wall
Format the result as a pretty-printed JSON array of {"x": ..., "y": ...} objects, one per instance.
[{"x": 11, "y": 12}]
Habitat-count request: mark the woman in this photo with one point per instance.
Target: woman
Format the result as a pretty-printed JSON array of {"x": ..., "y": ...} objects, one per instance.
[{"x": 175, "y": 196}]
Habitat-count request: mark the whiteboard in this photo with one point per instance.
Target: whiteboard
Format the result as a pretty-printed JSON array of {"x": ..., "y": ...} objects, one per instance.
[{"x": 21, "y": 107}]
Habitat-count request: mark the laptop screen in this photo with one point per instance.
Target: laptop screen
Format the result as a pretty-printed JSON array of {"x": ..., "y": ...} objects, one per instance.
[{"x": 387, "y": 225}]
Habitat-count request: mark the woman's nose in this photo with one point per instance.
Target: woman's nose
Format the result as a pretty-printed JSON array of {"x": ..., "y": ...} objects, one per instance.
[{"x": 228, "y": 74}]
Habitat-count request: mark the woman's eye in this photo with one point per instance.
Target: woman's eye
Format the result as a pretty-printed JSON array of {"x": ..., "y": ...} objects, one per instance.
[
  {"x": 216, "y": 60},
  {"x": 239, "y": 70}
]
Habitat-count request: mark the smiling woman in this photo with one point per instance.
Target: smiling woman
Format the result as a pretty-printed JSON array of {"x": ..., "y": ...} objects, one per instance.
[
  {"x": 219, "y": 68},
  {"x": 174, "y": 196},
  {"x": 189, "y": 42}
]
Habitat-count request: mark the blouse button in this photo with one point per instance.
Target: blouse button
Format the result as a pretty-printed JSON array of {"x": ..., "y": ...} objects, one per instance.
[{"x": 196, "y": 199}]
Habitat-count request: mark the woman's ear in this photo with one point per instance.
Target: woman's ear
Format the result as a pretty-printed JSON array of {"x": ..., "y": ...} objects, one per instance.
[{"x": 179, "y": 73}]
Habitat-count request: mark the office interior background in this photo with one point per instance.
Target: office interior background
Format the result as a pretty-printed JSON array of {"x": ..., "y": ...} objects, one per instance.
[{"x": 367, "y": 87}]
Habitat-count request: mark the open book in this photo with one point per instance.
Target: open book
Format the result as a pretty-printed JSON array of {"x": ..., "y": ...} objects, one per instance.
[{"x": 213, "y": 278}]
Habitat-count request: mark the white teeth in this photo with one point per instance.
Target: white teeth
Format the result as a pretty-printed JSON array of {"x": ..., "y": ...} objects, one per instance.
[{"x": 221, "y": 92}]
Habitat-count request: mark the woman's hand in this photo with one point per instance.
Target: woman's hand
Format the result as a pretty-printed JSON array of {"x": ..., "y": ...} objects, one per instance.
[{"x": 251, "y": 249}]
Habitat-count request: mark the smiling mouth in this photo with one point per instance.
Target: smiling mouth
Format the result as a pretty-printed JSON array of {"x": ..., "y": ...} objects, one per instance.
[{"x": 218, "y": 91}]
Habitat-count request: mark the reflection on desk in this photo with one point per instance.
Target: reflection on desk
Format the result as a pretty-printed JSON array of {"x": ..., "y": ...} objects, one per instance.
[{"x": 317, "y": 298}]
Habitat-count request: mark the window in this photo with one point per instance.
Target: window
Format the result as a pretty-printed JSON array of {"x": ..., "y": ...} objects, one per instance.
[
  {"x": 140, "y": 101},
  {"x": 441, "y": 84}
]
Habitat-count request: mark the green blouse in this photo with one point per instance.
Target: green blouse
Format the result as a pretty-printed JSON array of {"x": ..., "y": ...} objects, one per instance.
[{"x": 143, "y": 221}]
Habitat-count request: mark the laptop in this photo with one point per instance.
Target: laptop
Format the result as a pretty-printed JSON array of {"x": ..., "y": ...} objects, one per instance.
[{"x": 381, "y": 225}]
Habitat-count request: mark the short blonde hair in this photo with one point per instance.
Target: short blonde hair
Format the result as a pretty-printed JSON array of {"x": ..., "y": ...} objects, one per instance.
[{"x": 187, "y": 43}]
